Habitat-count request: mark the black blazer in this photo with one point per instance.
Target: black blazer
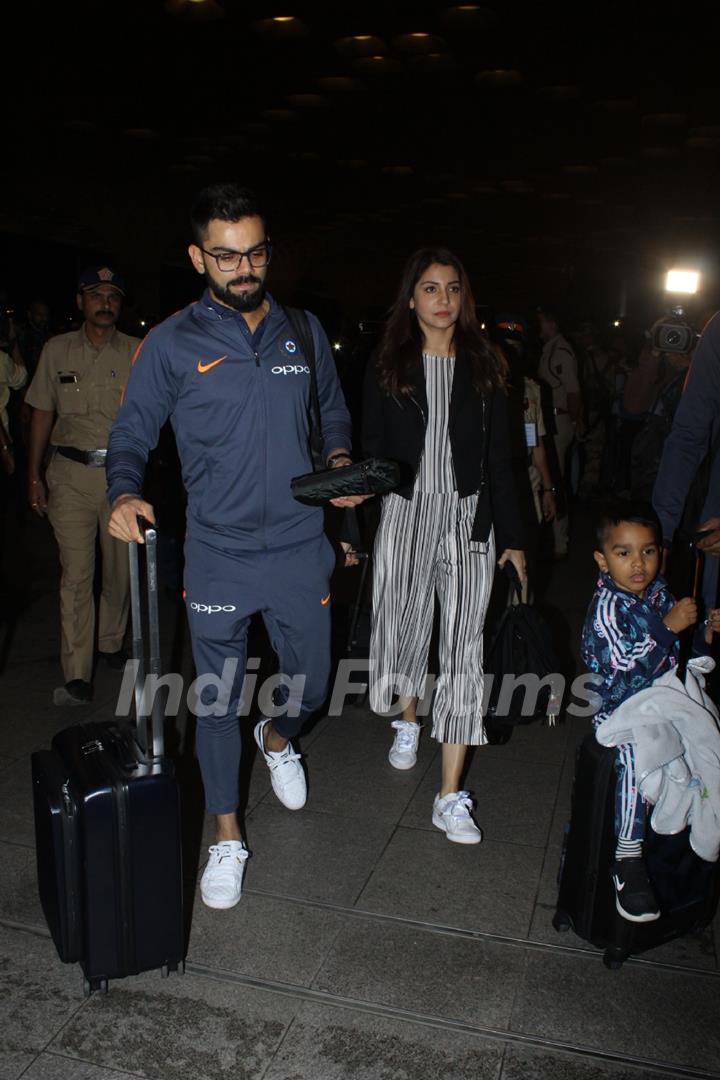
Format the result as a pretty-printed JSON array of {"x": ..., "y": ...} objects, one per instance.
[{"x": 394, "y": 427}]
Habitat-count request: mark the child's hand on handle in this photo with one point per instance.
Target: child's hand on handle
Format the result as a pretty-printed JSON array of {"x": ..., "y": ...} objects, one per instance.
[{"x": 681, "y": 615}]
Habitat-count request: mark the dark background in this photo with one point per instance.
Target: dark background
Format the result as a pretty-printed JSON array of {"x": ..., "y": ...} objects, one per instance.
[{"x": 569, "y": 154}]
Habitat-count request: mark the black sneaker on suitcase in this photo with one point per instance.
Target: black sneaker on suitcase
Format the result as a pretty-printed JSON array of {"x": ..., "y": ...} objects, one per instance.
[
  {"x": 634, "y": 896},
  {"x": 685, "y": 885}
]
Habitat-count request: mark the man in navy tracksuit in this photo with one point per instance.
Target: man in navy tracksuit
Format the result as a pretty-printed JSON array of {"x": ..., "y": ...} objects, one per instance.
[
  {"x": 230, "y": 374},
  {"x": 695, "y": 434}
]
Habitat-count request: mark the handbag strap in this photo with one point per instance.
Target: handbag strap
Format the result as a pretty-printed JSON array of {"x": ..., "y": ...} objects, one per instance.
[
  {"x": 303, "y": 332},
  {"x": 351, "y": 529},
  {"x": 517, "y": 592}
]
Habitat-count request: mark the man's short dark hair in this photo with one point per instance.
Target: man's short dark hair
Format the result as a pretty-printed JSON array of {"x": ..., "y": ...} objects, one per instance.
[
  {"x": 550, "y": 313},
  {"x": 222, "y": 202},
  {"x": 618, "y": 510}
]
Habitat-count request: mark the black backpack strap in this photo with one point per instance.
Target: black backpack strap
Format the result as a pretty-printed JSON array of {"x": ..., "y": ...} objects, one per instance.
[{"x": 303, "y": 332}]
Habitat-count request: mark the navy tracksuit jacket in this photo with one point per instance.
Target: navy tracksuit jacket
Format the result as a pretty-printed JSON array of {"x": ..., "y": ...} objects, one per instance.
[
  {"x": 695, "y": 434},
  {"x": 239, "y": 406}
]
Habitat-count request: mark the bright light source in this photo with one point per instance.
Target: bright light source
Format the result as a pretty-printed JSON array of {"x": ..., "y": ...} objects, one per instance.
[
  {"x": 482, "y": 326},
  {"x": 616, "y": 322},
  {"x": 142, "y": 322},
  {"x": 337, "y": 346},
  {"x": 682, "y": 281}
]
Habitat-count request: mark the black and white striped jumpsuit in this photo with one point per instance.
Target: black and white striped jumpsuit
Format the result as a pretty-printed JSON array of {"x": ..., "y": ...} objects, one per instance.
[{"x": 423, "y": 547}]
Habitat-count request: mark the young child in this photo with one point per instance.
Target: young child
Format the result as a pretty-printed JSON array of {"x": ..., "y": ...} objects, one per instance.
[{"x": 630, "y": 637}]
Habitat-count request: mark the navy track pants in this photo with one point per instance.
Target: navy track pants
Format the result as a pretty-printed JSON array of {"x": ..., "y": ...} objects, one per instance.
[{"x": 290, "y": 588}]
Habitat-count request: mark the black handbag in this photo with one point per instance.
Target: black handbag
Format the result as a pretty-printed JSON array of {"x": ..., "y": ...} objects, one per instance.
[
  {"x": 521, "y": 646},
  {"x": 374, "y": 476}
]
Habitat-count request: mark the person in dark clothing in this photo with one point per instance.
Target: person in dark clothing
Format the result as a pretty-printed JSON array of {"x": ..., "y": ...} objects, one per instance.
[
  {"x": 231, "y": 377},
  {"x": 648, "y": 444},
  {"x": 31, "y": 337},
  {"x": 33, "y": 333},
  {"x": 692, "y": 448},
  {"x": 536, "y": 492}
]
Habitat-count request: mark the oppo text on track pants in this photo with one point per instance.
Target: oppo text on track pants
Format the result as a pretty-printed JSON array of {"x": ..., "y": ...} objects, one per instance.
[{"x": 290, "y": 588}]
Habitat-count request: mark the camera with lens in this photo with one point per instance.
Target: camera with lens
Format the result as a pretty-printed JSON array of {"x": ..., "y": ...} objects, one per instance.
[{"x": 673, "y": 333}]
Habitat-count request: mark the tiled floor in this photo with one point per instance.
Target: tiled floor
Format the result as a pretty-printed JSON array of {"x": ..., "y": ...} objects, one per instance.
[{"x": 366, "y": 947}]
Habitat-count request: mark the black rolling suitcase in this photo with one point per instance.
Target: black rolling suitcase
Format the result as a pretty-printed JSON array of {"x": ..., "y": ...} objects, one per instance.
[
  {"x": 107, "y": 827},
  {"x": 686, "y": 886}
]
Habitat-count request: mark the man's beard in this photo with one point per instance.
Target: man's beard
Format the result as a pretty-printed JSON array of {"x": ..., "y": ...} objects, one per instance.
[{"x": 244, "y": 301}]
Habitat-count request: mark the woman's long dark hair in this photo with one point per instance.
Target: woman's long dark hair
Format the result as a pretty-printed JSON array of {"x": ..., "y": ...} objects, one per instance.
[{"x": 402, "y": 341}]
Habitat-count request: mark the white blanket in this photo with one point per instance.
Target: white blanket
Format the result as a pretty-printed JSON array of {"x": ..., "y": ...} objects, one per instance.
[{"x": 674, "y": 731}]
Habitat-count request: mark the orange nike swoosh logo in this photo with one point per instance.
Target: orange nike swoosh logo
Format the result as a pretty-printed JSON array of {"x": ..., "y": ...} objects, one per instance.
[
  {"x": 206, "y": 367},
  {"x": 325, "y": 599}
]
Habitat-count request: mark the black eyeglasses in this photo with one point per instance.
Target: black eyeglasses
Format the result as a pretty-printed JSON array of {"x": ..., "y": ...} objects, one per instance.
[{"x": 228, "y": 261}]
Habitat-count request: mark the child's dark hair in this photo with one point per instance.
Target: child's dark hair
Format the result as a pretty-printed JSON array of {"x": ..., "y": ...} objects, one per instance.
[{"x": 619, "y": 510}]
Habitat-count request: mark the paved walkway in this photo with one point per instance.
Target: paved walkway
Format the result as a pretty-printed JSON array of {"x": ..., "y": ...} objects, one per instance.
[{"x": 366, "y": 947}]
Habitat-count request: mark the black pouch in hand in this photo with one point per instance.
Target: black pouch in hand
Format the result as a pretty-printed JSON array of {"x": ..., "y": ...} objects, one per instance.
[{"x": 374, "y": 476}]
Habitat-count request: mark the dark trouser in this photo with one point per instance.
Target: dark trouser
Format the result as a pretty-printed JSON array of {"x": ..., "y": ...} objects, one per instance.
[
  {"x": 630, "y": 807},
  {"x": 290, "y": 588},
  {"x": 627, "y": 431}
]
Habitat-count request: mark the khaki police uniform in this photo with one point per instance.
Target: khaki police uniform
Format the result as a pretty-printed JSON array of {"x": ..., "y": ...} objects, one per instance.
[
  {"x": 558, "y": 368},
  {"x": 534, "y": 434},
  {"x": 12, "y": 377},
  {"x": 83, "y": 384}
]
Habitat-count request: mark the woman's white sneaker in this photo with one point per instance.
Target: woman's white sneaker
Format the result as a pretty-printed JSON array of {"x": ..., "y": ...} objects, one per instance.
[
  {"x": 452, "y": 815},
  {"x": 221, "y": 883},
  {"x": 403, "y": 752}
]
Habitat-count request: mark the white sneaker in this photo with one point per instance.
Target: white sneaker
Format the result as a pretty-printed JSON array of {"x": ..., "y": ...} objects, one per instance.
[
  {"x": 452, "y": 815},
  {"x": 221, "y": 883},
  {"x": 286, "y": 772},
  {"x": 403, "y": 752}
]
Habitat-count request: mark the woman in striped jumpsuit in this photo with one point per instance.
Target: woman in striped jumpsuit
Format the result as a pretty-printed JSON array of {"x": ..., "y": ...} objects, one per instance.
[{"x": 435, "y": 402}]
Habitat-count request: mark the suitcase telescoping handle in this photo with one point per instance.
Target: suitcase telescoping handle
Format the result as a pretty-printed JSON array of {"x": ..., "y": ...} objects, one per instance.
[
  {"x": 686, "y": 638},
  {"x": 150, "y": 733}
]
